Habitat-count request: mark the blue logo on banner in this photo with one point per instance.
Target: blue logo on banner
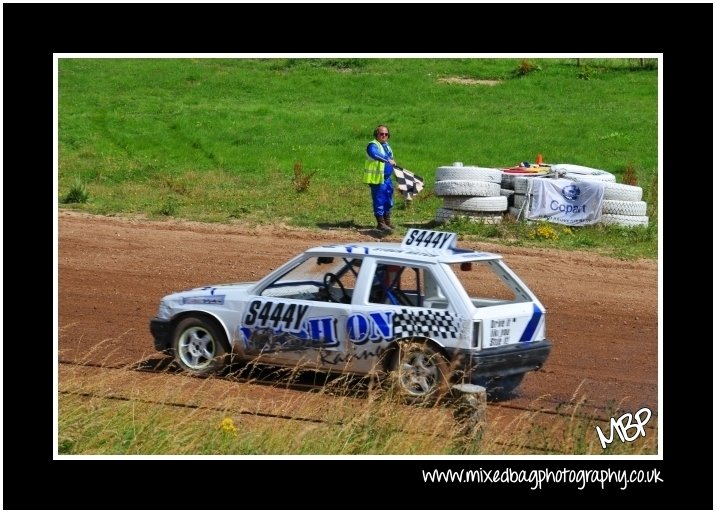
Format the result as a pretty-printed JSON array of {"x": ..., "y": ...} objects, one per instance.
[{"x": 571, "y": 192}]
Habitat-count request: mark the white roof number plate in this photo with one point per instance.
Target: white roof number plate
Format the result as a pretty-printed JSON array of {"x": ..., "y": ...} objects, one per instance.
[{"x": 439, "y": 241}]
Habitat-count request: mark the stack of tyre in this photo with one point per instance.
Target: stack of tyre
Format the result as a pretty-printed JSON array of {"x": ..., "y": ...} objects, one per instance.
[
  {"x": 470, "y": 192},
  {"x": 622, "y": 205},
  {"x": 521, "y": 186}
]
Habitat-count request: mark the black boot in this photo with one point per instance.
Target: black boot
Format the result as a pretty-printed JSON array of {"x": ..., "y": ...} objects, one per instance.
[
  {"x": 387, "y": 220},
  {"x": 381, "y": 224}
]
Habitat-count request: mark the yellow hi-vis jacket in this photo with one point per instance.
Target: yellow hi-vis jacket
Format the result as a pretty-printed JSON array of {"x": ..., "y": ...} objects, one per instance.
[{"x": 374, "y": 169}]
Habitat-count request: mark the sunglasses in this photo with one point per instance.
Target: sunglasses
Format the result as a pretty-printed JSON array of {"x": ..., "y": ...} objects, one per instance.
[{"x": 383, "y": 133}]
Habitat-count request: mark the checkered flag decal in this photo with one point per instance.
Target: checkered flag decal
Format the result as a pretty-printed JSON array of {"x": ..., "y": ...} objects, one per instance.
[
  {"x": 427, "y": 323},
  {"x": 407, "y": 181}
]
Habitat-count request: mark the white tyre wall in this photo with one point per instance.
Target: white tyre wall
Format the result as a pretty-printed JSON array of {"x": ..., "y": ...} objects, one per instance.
[
  {"x": 523, "y": 185},
  {"x": 577, "y": 170},
  {"x": 477, "y": 218},
  {"x": 513, "y": 178},
  {"x": 520, "y": 200},
  {"x": 508, "y": 181},
  {"x": 510, "y": 195},
  {"x": 446, "y": 214},
  {"x": 622, "y": 192},
  {"x": 516, "y": 212},
  {"x": 475, "y": 204},
  {"x": 466, "y": 188},
  {"x": 624, "y": 208},
  {"x": 606, "y": 177},
  {"x": 481, "y": 174},
  {"x": 443, "y": 214},
  {"x": 574, "y": 168},
  {"x": 625, "y": 220}
]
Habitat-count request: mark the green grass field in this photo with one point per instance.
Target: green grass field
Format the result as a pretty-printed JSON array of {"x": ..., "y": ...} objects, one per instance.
[{"x": 220, "y": 140}]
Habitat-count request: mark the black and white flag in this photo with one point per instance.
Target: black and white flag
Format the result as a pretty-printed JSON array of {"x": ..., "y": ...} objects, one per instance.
[{"x": 408, "y": 182}]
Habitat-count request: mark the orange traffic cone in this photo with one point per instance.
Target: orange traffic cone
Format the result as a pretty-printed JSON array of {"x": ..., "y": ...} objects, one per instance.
[{"x": 539, "y": 159}]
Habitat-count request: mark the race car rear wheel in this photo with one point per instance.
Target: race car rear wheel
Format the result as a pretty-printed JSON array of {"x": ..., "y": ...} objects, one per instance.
[
  {"x": 198, "y": 346},
  {"x": 420, "y": 373}
]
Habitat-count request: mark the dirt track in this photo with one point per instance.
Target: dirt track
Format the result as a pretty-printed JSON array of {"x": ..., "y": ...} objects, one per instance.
[{"x": 601, "y": 312}]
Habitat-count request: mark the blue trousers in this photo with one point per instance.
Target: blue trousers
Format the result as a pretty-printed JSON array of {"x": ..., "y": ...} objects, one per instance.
[{"x": 382, "y": 195}]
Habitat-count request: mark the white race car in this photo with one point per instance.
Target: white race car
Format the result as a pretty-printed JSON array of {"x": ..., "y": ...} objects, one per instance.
[{"x": 424, "y": 313}]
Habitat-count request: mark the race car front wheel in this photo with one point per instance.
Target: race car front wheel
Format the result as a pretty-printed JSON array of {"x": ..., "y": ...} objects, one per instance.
[
  {"x": 197, "y": 346},
  {"x": 420, "y": 373}
]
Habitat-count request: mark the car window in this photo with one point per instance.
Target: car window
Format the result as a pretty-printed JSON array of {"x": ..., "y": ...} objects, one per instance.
[
  {"x": 486, "y": 283},
  {"x": 406, "y": 286},
  {"x": 317, "y": 278}
]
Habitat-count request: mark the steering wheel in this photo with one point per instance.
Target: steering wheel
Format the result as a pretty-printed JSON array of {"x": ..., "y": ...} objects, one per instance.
[{"x": 328, "y": 280}]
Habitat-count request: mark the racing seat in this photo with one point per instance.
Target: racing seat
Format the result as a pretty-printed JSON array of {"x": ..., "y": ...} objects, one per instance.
[{"x": 386, "y": 286}]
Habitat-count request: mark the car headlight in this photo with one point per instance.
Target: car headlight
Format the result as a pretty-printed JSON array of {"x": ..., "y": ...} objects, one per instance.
[{"x": 164, "y": 312}]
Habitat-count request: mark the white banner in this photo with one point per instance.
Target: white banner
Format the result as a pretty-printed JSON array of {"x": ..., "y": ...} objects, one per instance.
[{"x": 566, "y": 202}]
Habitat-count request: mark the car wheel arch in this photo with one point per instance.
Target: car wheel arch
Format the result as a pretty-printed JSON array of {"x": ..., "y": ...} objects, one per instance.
[
  {"x": 441, "y": 382},
  {"x": 208, "y": 317},
  {"x": 392, "y": 349}
]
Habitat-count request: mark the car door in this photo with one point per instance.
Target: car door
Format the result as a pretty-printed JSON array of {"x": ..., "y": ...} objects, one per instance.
[{"x": 299, "y": 319}]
